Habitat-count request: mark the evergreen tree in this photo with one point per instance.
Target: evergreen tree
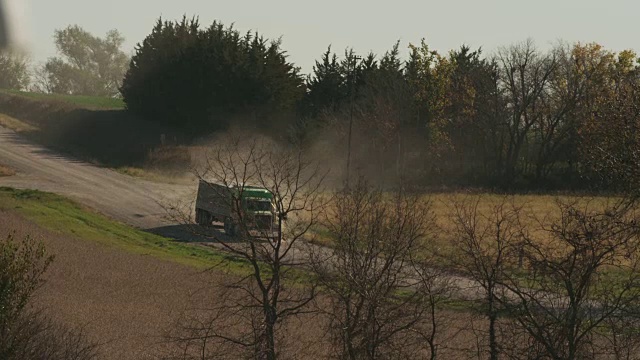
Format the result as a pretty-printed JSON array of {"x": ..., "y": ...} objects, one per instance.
[{"x": 198, "y": 79}]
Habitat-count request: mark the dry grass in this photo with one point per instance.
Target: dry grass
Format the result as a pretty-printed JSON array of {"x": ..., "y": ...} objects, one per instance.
[
  {"x": 6, "y": 171},
  {"x": 157, "y": 175},
  {"x": 15, "y": 124},
  {"x": 536, "y": 209},
  {"x": 127, "y": 302},
  {"x": 308, "y": 336},
  {"x": 169, "y": 157},
  {"x": 166, "y": 164}
]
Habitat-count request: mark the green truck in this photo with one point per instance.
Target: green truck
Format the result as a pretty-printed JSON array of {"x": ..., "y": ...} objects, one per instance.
[{"x": 219, "y": 203}]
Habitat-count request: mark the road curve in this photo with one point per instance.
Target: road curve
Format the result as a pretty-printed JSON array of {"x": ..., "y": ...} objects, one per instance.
[
  {"x": 133, "y": 201},
  {"x": 124, "y": 198}
]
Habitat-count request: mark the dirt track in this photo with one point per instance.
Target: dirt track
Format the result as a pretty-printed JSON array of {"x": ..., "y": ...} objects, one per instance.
[
  {"x": 130, "y": 200},
  {"x": 124, "y": 198}
]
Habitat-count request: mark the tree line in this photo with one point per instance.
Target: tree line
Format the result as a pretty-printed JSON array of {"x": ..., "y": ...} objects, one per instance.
[
  {"x": 518, "y": 119},
  {"x": 521, "y": 118},
  {"x": 85, "y": 65}
]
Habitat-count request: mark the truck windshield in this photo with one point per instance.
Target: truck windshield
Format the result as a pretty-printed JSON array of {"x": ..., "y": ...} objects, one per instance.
[{"x": 258, "y": 205}]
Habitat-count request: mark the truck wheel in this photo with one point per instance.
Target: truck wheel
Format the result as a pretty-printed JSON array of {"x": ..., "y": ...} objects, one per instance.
[
  {"x": 198, "y": 216},
  {"x": 203, "y": 218},
  {"x": 229, "y": 228}
]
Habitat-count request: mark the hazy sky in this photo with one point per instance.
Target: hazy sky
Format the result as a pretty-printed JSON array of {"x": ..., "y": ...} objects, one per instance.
[{"x": 308, "y": 27}]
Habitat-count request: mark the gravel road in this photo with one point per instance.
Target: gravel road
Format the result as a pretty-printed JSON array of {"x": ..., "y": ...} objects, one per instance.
[
  {"x": 124, "y": 198},
  {"x": 124, "y": 301},
  {"x": 139, "y": 281},
  {"x": 130, "y": 200}
]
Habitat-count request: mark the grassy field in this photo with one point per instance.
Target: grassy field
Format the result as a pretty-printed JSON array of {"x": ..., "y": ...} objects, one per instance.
[
  {"x": 59, "y": 215},
  {"x": 535, "y": 209},
  {"x": 87, "y": 102},
  {"x": 63, "y": 216}
]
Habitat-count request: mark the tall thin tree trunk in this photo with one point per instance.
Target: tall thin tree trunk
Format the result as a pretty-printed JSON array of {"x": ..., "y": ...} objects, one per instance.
[
  {"x": 493, "y": 343},
  {"x": 269, "y": 348}
]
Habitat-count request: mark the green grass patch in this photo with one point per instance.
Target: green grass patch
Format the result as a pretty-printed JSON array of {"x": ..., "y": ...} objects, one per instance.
[
  {"x": 88, "y": 102},
  {"x": 63, "y": 216}
]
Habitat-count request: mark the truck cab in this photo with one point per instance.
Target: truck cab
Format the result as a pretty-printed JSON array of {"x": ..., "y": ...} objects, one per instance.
[{"x": 259, "y": 210}]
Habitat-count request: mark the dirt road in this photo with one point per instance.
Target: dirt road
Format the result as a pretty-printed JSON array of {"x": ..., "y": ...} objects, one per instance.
[
  {"x": 123, "y": 301},
  {"x": 125, "y": 291},
  {"x": 133, "y": 201},
  {"x": 130, "y": 200}
]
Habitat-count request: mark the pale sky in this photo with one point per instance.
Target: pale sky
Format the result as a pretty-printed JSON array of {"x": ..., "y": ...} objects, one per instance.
[{"x": 308, "y": 27}]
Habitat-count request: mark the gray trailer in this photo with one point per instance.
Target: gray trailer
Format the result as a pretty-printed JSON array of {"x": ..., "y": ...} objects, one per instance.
[{"x": 253, "y": 205}]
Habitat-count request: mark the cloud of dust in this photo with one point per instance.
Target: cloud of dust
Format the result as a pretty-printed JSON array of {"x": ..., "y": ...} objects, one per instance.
[{"x": 326, "y": 146}]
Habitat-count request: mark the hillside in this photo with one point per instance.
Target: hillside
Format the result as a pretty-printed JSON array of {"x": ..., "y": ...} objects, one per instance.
[
  {"x": 98, "y": 130},
  {"x": 87, "y": 102},
  {"x": 122, "y": 286}
]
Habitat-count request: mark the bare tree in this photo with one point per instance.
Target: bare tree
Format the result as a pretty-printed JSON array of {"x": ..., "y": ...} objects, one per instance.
[
  {"x": 41, "y": 81},
  {"x": 368, "y": 274},
  {"x": 558, "y": 120},
  {"x": 621, "y": 333},
  {"x": 260, "y": 302},
  {"x": 525, "y": 75},
  {"x": 38, "y": 337},
  {"x": 582, "y": 272},
  {"x": 436, "y": 289},
  {"x": 487, "y": 241}
]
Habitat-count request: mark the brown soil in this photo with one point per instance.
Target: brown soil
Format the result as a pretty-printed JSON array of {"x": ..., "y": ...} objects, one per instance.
[{"x": 123, "y": 301}]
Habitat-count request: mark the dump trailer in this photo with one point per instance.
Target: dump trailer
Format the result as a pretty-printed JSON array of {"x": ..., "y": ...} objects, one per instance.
[{"x": 238, "y": 208}]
